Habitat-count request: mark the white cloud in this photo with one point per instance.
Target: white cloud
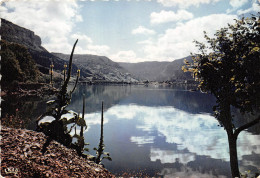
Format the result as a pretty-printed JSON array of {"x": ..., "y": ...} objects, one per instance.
[
  {"x": 78, "y": 18},
  {"x": 3, "y": 10},
  {"x": 237, "y": 3},
  {"x": 194, "y": 134},
  {"x": 51, "y": 20},
  {"x": 255, "y": 8},
  {"x": 170, "y": 16},
  {"x": 143, "y": 30},
  {"x": 94, "y": 119},
  {"x": 128, "y": 56},
  {"x": 146, "y": 42},
  {"x": 185, "y": 3},
  {"x": 81, "y": 37},
  {"x": 170, "y": 156},
  {"x": 86, "y": 46},
  {"x": 177, "y": 42},
  {"x": 142, "y": 140},
  {"x": 124, "y": 56},
  {"x": 98, "y": 49}
]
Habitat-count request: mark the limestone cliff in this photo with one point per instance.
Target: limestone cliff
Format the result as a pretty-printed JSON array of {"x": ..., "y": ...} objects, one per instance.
[
  {"x": 11, "y": 32},
  {"x": 14, "y": 33}
]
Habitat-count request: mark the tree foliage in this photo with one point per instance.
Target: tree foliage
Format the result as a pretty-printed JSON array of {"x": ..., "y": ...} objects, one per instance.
[
  {"x": 228, "y": 66},
  {"x": 17, "y": 63}
]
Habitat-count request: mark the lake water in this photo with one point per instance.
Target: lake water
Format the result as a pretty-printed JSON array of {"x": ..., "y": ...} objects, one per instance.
[
  {"x": 161, "y": 131},
  {"x": 167, "y": 131}
]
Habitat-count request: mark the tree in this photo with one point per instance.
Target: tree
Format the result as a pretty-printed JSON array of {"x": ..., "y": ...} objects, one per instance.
[
  {"x": 229, "y": 68},
  {"x": 17, "y": 63}
]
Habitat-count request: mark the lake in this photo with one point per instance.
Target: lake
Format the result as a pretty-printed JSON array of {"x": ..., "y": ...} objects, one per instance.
[{"x": 158, "y": 131}]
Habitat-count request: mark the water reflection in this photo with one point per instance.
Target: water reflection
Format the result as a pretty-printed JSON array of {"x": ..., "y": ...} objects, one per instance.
[
  {"x": 167, "y": 134},
  {"x": 26, "y": 109},
  {"x": 145, "y": 131},
  {"x": 141, "y": 95},
  {"x": 95, "y": 94},
  {"x": 160, "y": 130}
]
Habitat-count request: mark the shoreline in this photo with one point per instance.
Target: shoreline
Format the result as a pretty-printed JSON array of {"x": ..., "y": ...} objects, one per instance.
[{"x": 43, "y": 89}]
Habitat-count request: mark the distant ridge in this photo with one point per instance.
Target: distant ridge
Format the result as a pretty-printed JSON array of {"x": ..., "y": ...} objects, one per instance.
[
  {"x": 93, "y": 67},
  {"x": 159, "y": 71},
  {"x": 101, "y": 67},
  {"x": 97, "y": 67}
]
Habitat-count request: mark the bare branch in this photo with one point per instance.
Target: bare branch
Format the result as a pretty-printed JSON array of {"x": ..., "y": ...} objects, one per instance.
[{"x": 243, "y": 127}]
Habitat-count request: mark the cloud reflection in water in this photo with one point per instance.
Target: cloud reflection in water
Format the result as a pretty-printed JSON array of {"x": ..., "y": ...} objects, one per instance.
[{"x": 196, "y": 135}]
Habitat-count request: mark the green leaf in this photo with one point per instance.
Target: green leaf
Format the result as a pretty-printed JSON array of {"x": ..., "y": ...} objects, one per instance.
[
  {"x": 81, "y": 122},
  {"x": 256, "y": 49},
  {"x": 106, "y": 153}
]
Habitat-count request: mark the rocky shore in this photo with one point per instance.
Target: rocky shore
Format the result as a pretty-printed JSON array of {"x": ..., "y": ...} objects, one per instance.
[
  {"x": 29, "y": 89},
  {"x": 21, "y": 156}
]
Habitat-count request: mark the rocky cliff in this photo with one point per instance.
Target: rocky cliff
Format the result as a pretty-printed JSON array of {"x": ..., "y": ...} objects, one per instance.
[
  {"x": 97, "y": 68},
  {"x": 92, "y": 67},
  {"x": 14, "y": 33}
]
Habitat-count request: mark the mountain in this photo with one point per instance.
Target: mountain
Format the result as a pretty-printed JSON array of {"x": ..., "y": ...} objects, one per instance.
[
  {"x": 91, "y": 66},
  {"x": 13, "y": 33},
  {"x": 101, "y": 67},
  {"x": 158, "y": 71},
  {"x": 17, "y": 64}
]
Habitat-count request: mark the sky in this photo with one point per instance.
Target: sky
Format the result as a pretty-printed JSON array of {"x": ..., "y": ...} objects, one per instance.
[{"x": 126, "y": 30}]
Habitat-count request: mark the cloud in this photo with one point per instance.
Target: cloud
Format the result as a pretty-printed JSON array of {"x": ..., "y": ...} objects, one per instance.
[
  {"x": 255, "y": 8},
  {"x": 194, "y": 134},
  {"x": 146, "y": 42},
  {"x": 142, "y": 140},
  {"x": 124, "y": 56},
  {"x": 237, "y": 3},
  {"x": 94, "y": 119},
  {"x": 127, "y": 56},
  {"x": 51, "y": 20},
  {"x": 86, "y": 40},
  {"x": 185, "y": 3},
  {"x": 143, "y": 30},
  {"x": 170, "y": 16},
  {"x": 170, "y": 156},
  {"x": 98, "y": 49},
  {"x": 86, "y": 46},
  {"x": 177, "y": 42}
]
